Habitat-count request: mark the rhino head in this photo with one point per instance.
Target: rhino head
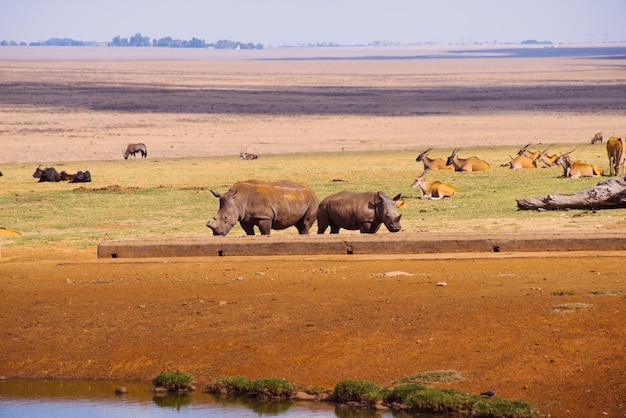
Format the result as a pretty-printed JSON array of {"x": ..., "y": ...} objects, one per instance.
[{"x": 228, "y": 214}]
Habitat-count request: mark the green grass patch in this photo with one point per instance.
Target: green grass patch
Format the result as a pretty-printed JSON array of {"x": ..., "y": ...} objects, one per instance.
[
  {"x": 563, "y": 292},
  {"x": 171, "y": 197},
  {"x": 174, "y": 381},
  {"x": 432, "y": 377},
  {"x": 570, "y": 307},
  {"x": 606, "y": 292}
]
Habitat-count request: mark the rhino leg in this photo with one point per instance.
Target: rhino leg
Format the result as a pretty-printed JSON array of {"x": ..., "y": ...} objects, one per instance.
[
  {"x": 369, "y": 227},
  {"x": 265, "y": 226},
  {"x": 248, "y": 227}
]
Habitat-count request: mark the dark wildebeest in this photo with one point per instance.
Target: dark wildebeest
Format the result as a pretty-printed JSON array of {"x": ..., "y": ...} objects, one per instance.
[
  {"x": 132, "y": 149},
  {"x": 357, "y": 211},
  {"x": 47, "y": 174},
  {"x": 65, "y": 176},
  {"x": 248, "y": 156},
  {"x": 269, "y": 206},
  {"x": 81, "y": 177}
]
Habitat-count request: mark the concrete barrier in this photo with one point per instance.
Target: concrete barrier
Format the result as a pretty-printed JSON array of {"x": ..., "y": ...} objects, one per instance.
[{"x": 400, "y": 243}]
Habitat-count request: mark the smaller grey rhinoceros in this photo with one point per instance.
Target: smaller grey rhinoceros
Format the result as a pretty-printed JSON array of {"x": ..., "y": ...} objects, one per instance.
[
  {"x": 358, "y": 211},
  {"x": 277, "y": 205}
]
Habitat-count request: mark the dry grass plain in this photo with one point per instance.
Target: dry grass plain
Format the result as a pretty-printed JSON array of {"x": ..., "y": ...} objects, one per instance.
[{"x": 504, "y": 320}]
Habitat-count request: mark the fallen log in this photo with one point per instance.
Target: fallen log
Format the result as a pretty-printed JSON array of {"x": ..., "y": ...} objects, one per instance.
[{"x": 607, "y": 194}]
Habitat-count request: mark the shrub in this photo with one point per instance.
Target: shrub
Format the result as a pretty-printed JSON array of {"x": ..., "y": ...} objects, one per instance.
[
  {"x": 234, "y": 385},
  {"x": 507, "y": 408},
  {"x": 174, "y": 381},
  {"x": 358, "y": 391},
  {"x": 272, "y": 387}
]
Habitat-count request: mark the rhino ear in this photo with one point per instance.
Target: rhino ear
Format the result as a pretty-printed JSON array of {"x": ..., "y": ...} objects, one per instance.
[{"x": 218, "y": 195}]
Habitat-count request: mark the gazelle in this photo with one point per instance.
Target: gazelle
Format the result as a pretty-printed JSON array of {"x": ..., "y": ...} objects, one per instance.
[
  {"x": 433, "y": 190},
  {"x": 467, "y": 164},
  {"x": 577, "y": 169},
  {"x": 596, "y": 138},
  {"x": 615, "y": 151},
  {"x": 432, "y": 163}
]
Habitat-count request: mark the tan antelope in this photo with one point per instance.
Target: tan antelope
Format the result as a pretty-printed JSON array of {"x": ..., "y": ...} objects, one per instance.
[
  {"x": 548, "y": 160},
  {"x": 596, "y": 138},
  {"x": 432, "y": 163},
  {"x": 434, "y": 189},
  {"x": 524, "y": 159},
  {"x": 577, "y": 169},
  {"x": 400, "y": 202},
  {"x": 615, "y": 151},
  {"x": 533, "y": 155},
  {"x": 466, "y": 164}
]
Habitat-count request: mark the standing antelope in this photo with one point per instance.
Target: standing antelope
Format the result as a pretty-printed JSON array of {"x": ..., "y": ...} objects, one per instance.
[
  {"x": 596, "y": 138},
  {"x": 132, "y": 149},
  {"x": 432, "y": 163},
  {"x": 615, "y": 151},
  {"x": 433, "y": 190},
  {"x": 247, "y": 156},
  {"x": 467, "y": 164},
  {"x": 577, "y": 169}
]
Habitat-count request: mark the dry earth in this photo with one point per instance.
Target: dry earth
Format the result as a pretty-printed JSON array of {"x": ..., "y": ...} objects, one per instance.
[{"x": 313, "y": 320}]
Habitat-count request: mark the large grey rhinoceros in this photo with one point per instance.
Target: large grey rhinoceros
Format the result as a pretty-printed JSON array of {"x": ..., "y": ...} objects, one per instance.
[
  {"x": 277, "y": 205},
  {"x": 363, "y": 211}
]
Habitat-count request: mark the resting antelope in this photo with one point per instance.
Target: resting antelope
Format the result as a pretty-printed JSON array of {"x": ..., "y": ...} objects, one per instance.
[
  {"x": 615, "y": 151},
  {"x": 247, "y": 155},
  {"x": 467, "y": 164},
  {"x": 434, "y": 189},
  {"x": 577, "y": 169},
  {"x": 432, "y": 163},
  {"x": 533, "y": 155},
  {"x": 548, "y": 160}
]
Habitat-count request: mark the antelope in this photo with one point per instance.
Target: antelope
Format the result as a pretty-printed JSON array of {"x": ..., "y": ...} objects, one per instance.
[
  {"x": 400, "y": 202},
  {"x": 434, "y": 189},
  {"x": 615, "y": 151},
  {"x": 247, "y": 156},
  {"x": 548, "y": 160},
  {"x": 132, "y": 149},
  {"x": 467, "y": 164},
  {"x": 432, "y": 163},
  {"x": 577, "y": 169},
  {"x": 533, "y": 155},
  {"x": 596, "y": 138}
]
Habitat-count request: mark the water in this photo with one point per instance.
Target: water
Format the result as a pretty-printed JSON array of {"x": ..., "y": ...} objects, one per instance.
[{"x": 97, "y": 399}]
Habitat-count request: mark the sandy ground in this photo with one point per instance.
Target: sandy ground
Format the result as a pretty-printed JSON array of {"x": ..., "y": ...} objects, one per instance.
[{"x": 548, "y": 329}]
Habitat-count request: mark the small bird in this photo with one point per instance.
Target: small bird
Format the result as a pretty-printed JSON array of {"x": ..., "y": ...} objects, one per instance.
[{"x": 489, "y": 393}]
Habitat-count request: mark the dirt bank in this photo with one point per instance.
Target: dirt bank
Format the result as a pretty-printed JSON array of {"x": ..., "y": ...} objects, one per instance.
[{"x": 318, "y": 320}]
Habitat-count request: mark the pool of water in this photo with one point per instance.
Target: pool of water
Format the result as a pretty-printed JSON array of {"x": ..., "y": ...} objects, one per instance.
[{"x": 35, "y": 398}]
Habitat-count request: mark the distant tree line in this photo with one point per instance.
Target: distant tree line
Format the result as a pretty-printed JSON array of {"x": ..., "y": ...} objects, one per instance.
[{"x": 138, "y": 40}]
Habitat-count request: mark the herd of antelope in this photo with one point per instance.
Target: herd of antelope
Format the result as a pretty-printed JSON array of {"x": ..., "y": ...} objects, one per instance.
[{"x": 525, "y": 158}]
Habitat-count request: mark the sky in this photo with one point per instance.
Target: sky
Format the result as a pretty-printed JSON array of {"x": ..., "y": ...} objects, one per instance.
[{"x": 289, "y": 22}]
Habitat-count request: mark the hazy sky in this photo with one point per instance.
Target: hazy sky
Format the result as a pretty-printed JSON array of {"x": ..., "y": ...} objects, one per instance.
[{"x": 272, "y": 22}]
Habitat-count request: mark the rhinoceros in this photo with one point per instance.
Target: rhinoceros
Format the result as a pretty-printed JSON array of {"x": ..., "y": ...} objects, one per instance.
[
  {"x": 363, "y": 211},
  {"x": 269, "y": 206}
]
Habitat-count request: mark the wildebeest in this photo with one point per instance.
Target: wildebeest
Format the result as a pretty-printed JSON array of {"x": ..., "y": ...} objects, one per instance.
[
  {"x": 132, "y": 149},
  {"x": 81, "y": 177},
  {"x": 365, "y": 212},
  {"x": 47, "y": 174},
  {"x": 615, "y": 151},
  {"x": 65, "y": 176},
  {"x": 467, "y": 164},
  {"x": 247, "y": 155},
  {"x": 277, "y": 205},
  {"x": 596, "y": 138}
]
